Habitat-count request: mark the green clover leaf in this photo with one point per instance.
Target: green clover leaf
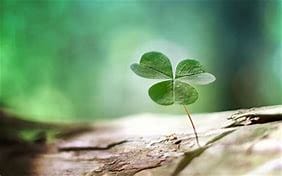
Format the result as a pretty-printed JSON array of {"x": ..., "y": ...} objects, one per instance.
[
  {"x": 153, "y": 65},
  {"x": 192, "y": 72},
  {"x": 174, "y": 90}
]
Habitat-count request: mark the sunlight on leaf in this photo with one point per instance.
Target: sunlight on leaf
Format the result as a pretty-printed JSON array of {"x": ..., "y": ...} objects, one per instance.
[{"x": 200, "y": 79}]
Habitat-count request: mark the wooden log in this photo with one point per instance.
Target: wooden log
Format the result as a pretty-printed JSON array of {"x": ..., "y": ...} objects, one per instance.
[{"x": 241, "y": 142}]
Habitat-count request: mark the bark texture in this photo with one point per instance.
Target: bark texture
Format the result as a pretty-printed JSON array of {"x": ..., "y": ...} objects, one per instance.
[{"x": 243, "y": 142}]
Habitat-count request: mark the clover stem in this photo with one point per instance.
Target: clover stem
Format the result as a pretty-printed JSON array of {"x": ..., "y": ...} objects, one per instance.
[{"x": 194, "y": 129}]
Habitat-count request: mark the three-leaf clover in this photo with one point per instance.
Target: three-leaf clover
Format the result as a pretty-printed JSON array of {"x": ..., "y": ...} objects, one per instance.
[{"x": 175, "y": 89}]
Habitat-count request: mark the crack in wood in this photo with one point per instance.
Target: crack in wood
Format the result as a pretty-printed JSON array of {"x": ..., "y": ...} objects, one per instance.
[
  {"x": 256, "y": 116},
  {"x": 66, "y": 149}
]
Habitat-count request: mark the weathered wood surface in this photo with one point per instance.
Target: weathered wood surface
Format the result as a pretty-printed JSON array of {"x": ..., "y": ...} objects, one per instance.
[{"x": 244, "y": 142}]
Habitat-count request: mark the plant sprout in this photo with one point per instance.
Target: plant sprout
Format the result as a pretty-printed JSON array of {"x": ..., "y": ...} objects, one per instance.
[{"x": 176, "y": 88}]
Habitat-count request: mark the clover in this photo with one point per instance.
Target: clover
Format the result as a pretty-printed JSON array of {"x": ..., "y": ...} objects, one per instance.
[{"x": 175, "y": 88}]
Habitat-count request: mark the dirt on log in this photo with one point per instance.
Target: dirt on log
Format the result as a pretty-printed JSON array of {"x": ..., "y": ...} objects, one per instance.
[{"x": 241, "y": 142}]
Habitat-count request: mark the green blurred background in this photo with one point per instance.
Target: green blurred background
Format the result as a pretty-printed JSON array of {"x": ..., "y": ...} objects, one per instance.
[{"x": 69, "y": 60}]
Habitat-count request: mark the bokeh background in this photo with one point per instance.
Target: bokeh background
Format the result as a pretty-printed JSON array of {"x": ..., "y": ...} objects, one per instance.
[{"x": 69, "y": 60}]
